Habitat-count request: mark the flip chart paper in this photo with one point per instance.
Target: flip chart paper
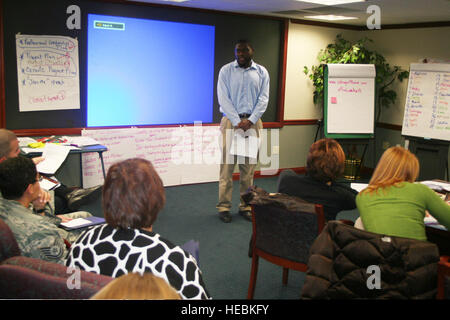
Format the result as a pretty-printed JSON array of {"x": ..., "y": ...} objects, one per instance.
[
  {"x": 47, "y": 72},
  {"x": 427, "y": 107},
  {"x": 351, "y": 98}
]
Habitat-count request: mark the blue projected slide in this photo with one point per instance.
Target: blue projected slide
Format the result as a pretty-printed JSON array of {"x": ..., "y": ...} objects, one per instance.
[{"x": 143, "y": 72}]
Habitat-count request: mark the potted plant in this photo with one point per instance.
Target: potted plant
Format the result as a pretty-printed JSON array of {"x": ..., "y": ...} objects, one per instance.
[{"x": 344, "y": 51}]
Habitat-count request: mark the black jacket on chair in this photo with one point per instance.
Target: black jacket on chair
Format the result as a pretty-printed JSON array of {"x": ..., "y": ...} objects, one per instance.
[
  {"x": 341, "y": 255},
  {"x": 334, "y": 198}
]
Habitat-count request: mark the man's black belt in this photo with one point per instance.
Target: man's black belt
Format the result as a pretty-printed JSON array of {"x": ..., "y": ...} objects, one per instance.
[{"x": 244, "y": 115}]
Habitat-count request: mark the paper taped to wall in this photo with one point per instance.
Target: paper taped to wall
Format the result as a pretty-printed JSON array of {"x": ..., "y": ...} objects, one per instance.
[{"x": 47, "y": 72}]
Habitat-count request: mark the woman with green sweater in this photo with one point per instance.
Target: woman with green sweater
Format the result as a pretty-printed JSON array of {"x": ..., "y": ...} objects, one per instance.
[{"x": 393, "y": 204}]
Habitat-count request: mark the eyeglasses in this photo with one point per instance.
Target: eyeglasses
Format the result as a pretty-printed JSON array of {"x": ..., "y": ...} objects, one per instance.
[{"x": 40, "y": 178}]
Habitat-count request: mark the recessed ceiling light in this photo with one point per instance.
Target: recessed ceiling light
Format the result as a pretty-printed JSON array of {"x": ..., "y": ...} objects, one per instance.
[
  {"x": 331, "y": 2},
  {"x": 175, "y": 0},
  {"x": 330, "y": 17}
]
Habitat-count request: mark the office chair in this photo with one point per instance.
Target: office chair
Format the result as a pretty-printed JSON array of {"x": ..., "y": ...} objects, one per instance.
[
  {"x": 284, "y": 228},
  {"x": 443, "y": 291},
  {"x": 30, "y": 278}
]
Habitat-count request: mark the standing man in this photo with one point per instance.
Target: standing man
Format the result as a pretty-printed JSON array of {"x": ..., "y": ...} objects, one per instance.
[{"x": 243, "y": 94}]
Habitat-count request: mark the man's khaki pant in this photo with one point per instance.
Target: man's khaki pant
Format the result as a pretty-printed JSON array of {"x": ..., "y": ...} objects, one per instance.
[{"x": 246, "y": 168}]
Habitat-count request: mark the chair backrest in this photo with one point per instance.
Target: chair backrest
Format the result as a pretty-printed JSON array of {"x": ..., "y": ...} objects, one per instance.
[
  {"x": 8, "y": 244},
  {"x": 30, "y": 278},
  {"x": 286, "y": 227},
  {"x": 444, "y": 278},
  {"x": 347, "y": 263}
]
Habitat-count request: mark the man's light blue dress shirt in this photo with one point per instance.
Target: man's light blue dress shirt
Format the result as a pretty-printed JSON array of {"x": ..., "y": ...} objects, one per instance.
[{"x": 242, "y": 90}]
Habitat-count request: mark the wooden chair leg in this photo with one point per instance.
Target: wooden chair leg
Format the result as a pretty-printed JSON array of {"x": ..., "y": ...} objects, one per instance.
[
  {"x": 285, "y": 276},
  {"x": 253, "y": 274}
]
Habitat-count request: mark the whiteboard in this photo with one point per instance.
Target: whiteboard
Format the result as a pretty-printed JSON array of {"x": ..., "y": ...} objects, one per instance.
[
  {"x": 427, "y": 106},
  {"x": 47, "y": 72},
  {"x": 350, "y": 99},
  {"x": 180, "y": 155}
]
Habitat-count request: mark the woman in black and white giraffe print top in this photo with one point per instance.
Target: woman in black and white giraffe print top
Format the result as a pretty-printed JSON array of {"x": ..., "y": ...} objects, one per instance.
[{"x": 133, "y": 195}]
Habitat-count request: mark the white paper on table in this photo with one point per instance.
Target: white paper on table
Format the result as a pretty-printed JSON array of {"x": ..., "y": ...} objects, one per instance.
[
  {"x": 27, "y": 150},
  {"x": 437, "y": 185},
  {"x": 54, "y": 155},
  {"x": 244, "y": 144},
  {"x": 25, "y": 141}
]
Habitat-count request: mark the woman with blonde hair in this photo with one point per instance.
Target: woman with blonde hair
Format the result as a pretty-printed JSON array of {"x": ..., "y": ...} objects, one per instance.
[
  {"x": 134, "y": 286},
  {"x": 393, "y": 204}
]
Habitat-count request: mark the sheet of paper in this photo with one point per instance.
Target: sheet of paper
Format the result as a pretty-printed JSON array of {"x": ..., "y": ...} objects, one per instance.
[
  {"x": 27, "y": 150},
  {"x": 25, "y": 141},
  {"x": 54, "y": 155},
  {"x": 432, "y": 222},
  {"x": 244, "y": 144},
  {"x": 48, "y": 185},
  {"x": 358, "y": 186}
]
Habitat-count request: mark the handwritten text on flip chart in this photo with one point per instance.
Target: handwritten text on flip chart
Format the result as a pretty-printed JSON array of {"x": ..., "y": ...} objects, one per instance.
[
  {"x": 47, "y": 72},
  {"x": 350, "y": 105},
  {"x": 427, "y": 108}
]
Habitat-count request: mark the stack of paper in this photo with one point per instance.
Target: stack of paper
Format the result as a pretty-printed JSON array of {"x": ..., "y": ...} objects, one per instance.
[{"x": 437, "y": 185}]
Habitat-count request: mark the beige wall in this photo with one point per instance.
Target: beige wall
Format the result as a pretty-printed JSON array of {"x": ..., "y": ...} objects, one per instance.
[
  {"x": 304, "y": 44},
  {"x": 402, "y": 47}
]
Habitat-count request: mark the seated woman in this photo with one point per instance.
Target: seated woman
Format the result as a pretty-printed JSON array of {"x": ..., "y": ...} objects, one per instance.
[
  {"x": 133, "y": 195},
  {"x": 325, "y": 163},
  {"x": 393, "y": 204}
]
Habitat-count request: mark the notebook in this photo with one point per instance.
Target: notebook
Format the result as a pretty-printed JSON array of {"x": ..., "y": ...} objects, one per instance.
[{"x": 81, "y": 223}]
